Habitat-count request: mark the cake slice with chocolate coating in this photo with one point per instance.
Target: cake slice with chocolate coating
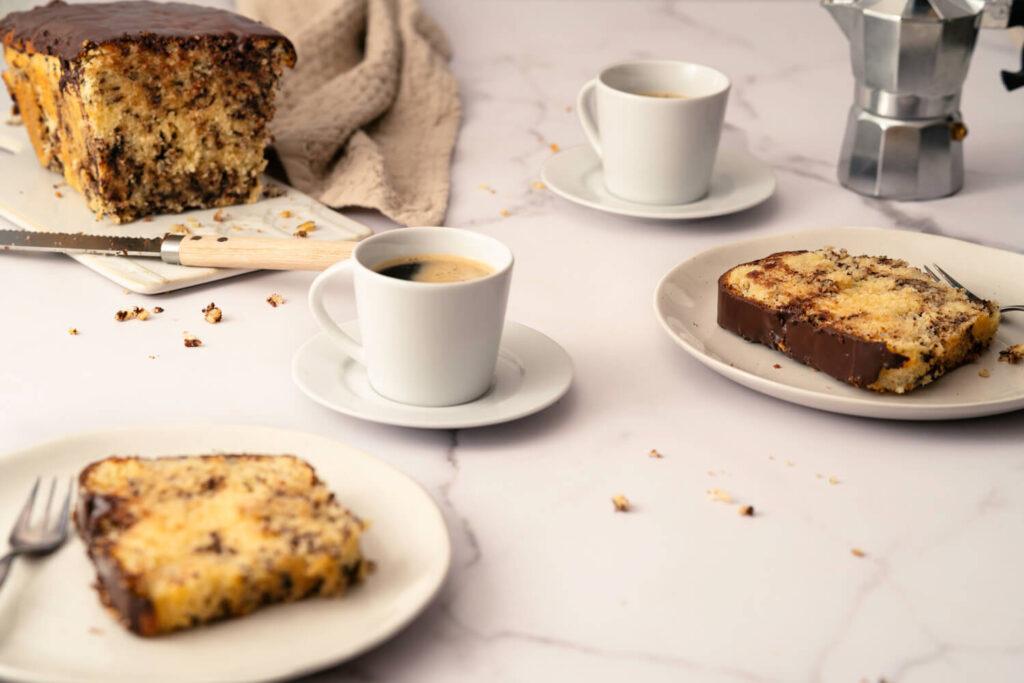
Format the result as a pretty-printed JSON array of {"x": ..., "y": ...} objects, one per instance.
[
  {"x": 146, "y": 107},
  {"x": 871, "y": 321},
  {"x": 182, "y": 541}
]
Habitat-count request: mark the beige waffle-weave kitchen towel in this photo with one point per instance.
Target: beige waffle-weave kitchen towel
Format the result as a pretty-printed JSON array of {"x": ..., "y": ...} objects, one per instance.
[{"x": 369, "y": 115}]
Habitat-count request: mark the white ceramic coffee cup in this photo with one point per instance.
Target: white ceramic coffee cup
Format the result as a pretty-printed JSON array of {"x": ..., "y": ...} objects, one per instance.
[
  {"x": 656, "y": 150},
  {"x": 423, "y": 343}
]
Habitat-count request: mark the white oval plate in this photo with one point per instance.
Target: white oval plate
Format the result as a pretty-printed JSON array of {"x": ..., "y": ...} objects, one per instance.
[
  {"x": 739, "y": 181},
  {"x": 52, "y": 627},
  {"x": 686, "y": 304}
]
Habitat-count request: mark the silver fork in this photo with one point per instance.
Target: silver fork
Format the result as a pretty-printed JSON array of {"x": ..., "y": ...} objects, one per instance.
[
  {"x": 41, "y": 538},
  {"x": 950, "y": 280}
]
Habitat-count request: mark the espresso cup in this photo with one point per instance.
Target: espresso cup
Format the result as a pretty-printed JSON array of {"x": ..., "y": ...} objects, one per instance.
[
  {"x": 423, "y": 343},
  {"x": 657, "y": 129}
]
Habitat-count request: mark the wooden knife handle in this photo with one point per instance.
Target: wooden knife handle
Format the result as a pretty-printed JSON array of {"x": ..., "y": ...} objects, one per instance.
[{"x": 219, "y": 251}]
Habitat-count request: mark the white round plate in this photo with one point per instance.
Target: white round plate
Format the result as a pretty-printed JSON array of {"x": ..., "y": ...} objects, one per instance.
[
  {"x": 738, "y": 182},
  {"x": 533, "y": 372},
  {"x": 686, "y": 303},
  {"x": 52, "y": 627}
]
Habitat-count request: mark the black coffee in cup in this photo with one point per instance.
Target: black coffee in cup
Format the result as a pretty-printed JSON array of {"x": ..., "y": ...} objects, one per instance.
[{"x": 434, "y": 268}]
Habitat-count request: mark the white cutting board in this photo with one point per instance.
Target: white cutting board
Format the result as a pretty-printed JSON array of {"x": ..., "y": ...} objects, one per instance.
[{"x": 28, "y": 199}]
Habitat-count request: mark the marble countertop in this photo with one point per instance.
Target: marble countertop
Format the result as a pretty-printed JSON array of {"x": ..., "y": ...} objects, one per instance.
[{"x": 548, "y": 582}]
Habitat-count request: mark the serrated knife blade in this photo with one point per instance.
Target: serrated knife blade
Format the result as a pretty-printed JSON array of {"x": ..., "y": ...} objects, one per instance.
[{"x": 80, "y": 243}]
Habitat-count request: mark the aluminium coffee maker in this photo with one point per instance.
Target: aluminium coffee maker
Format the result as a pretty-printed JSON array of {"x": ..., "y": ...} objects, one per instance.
[{"x": 910, "y": 57}]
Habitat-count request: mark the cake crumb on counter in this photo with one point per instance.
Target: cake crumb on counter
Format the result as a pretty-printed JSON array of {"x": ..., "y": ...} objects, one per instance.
[
  {"x": 747, "y": 511},
  {"x": 655, "y": 454},
  {"x": 157, "y": 309},
  {"x": 504, "y": 212},
  {"x": 286, "y": 214},
  {"x": 220, "y": 216},
  {"x": 191, "y": 340},
  {"x": 73, "y": 331},
  {"x": 275, "y": 300},
  {"x": 720, "y": 496},
  {"x": 833, "y": 480},
  {"x": 1013, "y": 355},
  {"x": 212, "y": 314},
  {"x": 984, "y": 372},
  {"x": 553, "y": 147},
  {"x": 857, "y": 552},
  {"x": 305, "y": 228},
  {"x": 487, "y": 188},
  {"x": 621, "y": 503},
  {"x": 538, "y": 185}
]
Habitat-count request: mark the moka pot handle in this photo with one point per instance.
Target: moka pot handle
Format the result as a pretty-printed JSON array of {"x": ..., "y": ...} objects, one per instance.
[{"x": 1013, "y": 80}]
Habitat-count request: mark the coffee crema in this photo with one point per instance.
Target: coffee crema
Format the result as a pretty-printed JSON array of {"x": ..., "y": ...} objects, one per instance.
[
  {"x": 434, "y": 268},
  {"x": 670, "y": 95}
]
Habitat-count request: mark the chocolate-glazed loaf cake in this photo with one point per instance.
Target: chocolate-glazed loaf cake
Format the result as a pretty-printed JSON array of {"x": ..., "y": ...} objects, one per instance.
[
  {"x": 183, "y": 541},
  {"x": 873, "y": 322},
  {"x": 146, "y": 107}
]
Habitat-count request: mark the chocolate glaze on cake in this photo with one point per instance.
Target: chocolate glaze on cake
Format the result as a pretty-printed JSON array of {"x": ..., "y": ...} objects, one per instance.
[
  {"x": 65, "y": 31},
  {"x": 843, "y": 356}
]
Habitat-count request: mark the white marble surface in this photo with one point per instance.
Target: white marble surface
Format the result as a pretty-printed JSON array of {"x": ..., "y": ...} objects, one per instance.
[{"x": 548, "y": 582}]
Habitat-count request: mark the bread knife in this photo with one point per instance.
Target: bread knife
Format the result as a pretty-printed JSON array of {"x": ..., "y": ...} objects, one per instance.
[{"x": 215, "y": 251}]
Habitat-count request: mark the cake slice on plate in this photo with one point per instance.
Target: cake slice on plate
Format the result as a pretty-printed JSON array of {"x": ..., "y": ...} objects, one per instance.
[
  {"x": 872, "y": 321},
  {"x": 182, "y": 541}
]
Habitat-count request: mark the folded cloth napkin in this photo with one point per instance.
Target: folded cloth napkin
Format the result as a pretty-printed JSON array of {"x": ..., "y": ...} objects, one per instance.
[{"x": 369, "y": 115}]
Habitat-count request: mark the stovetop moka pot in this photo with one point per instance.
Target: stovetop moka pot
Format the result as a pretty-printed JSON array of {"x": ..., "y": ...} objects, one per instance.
[{"x": 904, "y": 135}]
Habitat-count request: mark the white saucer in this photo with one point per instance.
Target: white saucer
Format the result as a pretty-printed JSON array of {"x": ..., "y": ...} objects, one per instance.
[
  {"x": 739, "y": 182},
  {"x": 533, "y": 372}
]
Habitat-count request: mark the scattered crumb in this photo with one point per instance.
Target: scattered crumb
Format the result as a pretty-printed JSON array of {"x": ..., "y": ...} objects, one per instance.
[
  {"x": 504, "y": 212},
  {"x": 486, "y": 188},
  {"x": 720, "y": 496},
  {"x": 220, "y": 216},
  {"x": 147, "y": 219},
  {"x": 789, "y": 464},
  {"x": 157, "y": 309},
  {"x": 57, "y": 194},
  {"x": 777, "y": 366},
  {"x": 286, "y": 214},
  {"x": 180, "y": 229},
  {"x": 142, "y": 315},
  {"x": 96, "y": 631},
  {"x": 833, "y": 480},
  {"x": 621, "y": 503},
  {"x": 307, "y": 227},
  {"x": 771, "y": 457},
  {"x": 191, "y": 340},
  {"x": 747, "y": 510},
  {"x": 152, "y": 357},
  {"x": 193, "y": 221},
  {"x": 236, "y": 227},
  {"x": 538, "y": 185},
  {"x": 73, "y": 331},
  {"x": 553, "y": 147},
  {"x": 126, "y": 291},
  {"x": 271, "y": 191},
  {"x": 212, "y": 314},
  {"x": 984, "y": 372},
  {"x": 275, "y": 300},
  {"x": 857, "y": 552},
  {"x": 655, "y": 454},
  {"x": 301, "y": 233},
  {"x": 1013, "y": 355}
]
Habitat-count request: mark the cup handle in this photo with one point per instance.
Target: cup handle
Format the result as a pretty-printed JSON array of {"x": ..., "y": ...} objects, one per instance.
[
  {"x": 586, "y": 120},
  {"x": 316, "y": 303}
]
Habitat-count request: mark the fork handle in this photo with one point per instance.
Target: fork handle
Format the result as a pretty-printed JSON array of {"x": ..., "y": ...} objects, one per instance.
[{"x": 5, "y": 566}]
